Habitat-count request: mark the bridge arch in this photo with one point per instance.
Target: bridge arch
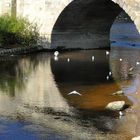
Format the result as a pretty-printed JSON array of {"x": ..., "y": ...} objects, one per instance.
[
  {"x": 91, "y": 20},
  {"x": 46, "y": 13}
]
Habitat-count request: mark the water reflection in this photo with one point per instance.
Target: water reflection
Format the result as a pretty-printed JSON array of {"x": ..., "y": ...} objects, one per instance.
[
  {"x": 127, "y": 75},
  {"x": 92, "y": 80},
  {"x": 125, "y": 72},
  {"x": 29, "y": 82},
  {"x": 41, "y": 89},
  {"x": 36, "y": 89}
]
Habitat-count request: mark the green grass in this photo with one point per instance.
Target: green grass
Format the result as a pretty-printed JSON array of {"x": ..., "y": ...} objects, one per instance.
[{"x": 17, "y": 31}]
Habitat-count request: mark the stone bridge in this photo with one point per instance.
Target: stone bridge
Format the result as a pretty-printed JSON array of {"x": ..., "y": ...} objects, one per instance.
[{"x": 70, "y": 23}]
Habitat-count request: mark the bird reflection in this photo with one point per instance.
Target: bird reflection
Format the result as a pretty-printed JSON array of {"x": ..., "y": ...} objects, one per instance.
[
  {"x": 68, "y": 60},
  {"x": 107, "y": 77},
  {"x": 56, "y": 53},
  {"x": 107, "y": 52},
  {"x": 137, "y": 63},
  {"x": 92, "y": 58},
  {"x": 56, "y": 58}
]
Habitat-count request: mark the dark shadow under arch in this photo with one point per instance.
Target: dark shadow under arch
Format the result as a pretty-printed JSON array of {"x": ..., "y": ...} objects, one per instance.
[{"x": 85, "y": 24}]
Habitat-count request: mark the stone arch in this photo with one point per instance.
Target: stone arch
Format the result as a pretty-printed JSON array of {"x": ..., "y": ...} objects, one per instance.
[
  {"x": 132, "y": 8},
  {"x": 46, "y": 13},
  {"x": 115, "y": 5}
]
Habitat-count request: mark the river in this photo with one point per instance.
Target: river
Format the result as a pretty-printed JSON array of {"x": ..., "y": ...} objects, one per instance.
[{"x": 34, "y": 100}]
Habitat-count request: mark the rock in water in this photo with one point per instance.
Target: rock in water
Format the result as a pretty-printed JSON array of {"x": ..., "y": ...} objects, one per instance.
[
  {"x": 136, "y": 138},
  {"x": 116, "y": 105},
  {"x": 131, "y": 69},
  {"x": 120, "y": 92}
]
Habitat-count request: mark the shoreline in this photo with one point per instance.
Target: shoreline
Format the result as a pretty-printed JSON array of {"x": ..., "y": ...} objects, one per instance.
[{"x": 29, "y": 50}]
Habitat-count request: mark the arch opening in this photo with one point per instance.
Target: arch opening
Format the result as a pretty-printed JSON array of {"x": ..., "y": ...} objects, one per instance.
[
  {"x": 85, "y": 25},
  {"x": 123, "y": 32}
]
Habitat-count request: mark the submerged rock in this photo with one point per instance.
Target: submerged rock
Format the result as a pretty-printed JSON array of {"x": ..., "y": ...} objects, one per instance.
[
  {"x": 131, "y": 71},
  {"x": 136, "y": 138},
  {"x": 120, "y": 92},
  {"x": 116, "y": 105}
]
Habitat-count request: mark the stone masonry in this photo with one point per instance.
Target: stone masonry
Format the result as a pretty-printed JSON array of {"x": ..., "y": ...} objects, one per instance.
[{"x": 46, "y": 12}]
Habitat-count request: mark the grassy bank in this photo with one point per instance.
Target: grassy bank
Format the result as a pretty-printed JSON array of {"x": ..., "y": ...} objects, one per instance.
[{"x": 17, "y": 32}]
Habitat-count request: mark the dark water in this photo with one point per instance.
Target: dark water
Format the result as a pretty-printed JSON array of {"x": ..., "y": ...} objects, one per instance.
[{"x": 34, "y": 100}]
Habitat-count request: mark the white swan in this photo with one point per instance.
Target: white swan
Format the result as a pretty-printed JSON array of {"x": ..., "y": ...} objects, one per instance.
[{"x": 56, "y": 53}]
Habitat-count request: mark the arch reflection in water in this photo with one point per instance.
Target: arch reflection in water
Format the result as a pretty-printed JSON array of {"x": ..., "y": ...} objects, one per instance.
[
  {"x": 89, "y": 79},
  {"x": 92, "y": 80}
]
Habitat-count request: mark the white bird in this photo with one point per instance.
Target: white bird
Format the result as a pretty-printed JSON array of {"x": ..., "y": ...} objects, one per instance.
[
  {"x": 68, "y": 60},
  {"x": 107, "y": 52},
  {"x": 120, "y": 59},
  {"x": 92, "y": 58},
  {"x": 56, "y": 53},
  {"x": 131, "y": 69},
  {"x": 107, "y": 77},
  {"x": 74, "y": 93},
  {"x": 56, "y": 58},
  {"x": 137, "y": 63},
  {"x": 121, "y": 113},
  {"x": 110, "y": 73}
]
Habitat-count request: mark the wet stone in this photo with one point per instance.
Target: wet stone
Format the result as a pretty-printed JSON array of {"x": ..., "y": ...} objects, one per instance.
[
  {"x": 57, "y": 118},
  {"x": 116, "y": 105},
  {"x": 136, "y": 138},
  {"x": 20, "y": 117},
  {"x": 67, "y": 119},
  {"x": 120, "y": 93}
]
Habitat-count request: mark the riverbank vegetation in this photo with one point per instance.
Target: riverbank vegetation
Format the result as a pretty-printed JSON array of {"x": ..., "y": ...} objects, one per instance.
[{"x": 17, "y": 32}]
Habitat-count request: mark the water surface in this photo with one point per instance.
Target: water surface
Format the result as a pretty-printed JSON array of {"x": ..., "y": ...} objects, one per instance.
[{"x": 34, "y": 95}]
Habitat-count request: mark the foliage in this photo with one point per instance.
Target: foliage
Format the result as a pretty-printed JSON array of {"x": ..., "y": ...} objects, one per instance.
[{"x": 17, "y": 31}]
